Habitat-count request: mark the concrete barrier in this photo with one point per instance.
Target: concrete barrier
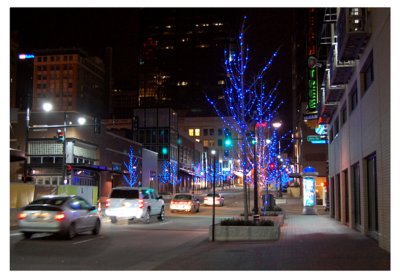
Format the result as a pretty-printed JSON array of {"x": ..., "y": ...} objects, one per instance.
[{"x": 237, "y": 233}]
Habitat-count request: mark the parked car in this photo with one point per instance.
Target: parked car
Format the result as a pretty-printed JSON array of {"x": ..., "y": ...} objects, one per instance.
[
  {"x": 134, "y": 203},
  {"x": 219, "y": 199},
  {"x": 61, "y": 214},
  {"x": 185, "y": 202}
]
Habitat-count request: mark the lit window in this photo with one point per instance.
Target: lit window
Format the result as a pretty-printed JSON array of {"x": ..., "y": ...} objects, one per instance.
[
  {"x": 197, "y": 132},
  {"x": 221, "y": 82},
  {"x": 191, "y": 132},
  {"x": 182, "y": 83}
]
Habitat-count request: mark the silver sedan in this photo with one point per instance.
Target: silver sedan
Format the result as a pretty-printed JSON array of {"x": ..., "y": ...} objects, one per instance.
[{"x": 60, "y": 214}]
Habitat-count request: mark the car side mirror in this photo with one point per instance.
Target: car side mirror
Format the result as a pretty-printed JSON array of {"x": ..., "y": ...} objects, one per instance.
[
  {"x": 159, "y": 198},
  {"x": 91, "y": 208}
]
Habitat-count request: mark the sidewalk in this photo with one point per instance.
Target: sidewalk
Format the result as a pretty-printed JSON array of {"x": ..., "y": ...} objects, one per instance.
[{"x": 307, "y": 242}]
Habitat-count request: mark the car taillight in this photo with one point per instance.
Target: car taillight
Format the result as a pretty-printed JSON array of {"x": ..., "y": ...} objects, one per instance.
[
  {"x": 107, "y": 203},
  {"x": 173, "y": 202},
  {"x": 22, "y": 216},
  {"x": 141, "y": 203},
  {"x": 59, "y": 216}
]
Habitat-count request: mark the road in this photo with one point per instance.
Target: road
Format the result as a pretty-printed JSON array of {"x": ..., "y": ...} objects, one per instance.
[{"x": 122, "y": 246}]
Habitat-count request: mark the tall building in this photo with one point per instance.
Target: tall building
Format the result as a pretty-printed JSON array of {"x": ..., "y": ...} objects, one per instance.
[
  {"x": 182, "y": 55},
  {"x": 211, "y": 133},
  {"x": 70, "y": 79},
  {"x": 157, "y": 130},
  {"x": 355, "y": 103},
  {"x": 309, "y": 136}
]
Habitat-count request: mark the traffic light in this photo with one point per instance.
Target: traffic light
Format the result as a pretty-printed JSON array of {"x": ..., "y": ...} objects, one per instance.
[
  {"x": 271, "y": 166},
  {"x": 164, "y": 150},
  {"x": 97, "y": 125},
  {"x": 60, "y": 135},
  {"x": 228, "y": 142},
  {"x": 69, "y": 169}
]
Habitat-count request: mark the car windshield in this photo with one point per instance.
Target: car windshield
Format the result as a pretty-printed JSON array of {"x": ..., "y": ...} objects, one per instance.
[
  {"x": 183, "y": 197},
  {"x": 52, "y": 200},
  {"x": 210, "y": 195},
  {"x": 124, "y": 194}
]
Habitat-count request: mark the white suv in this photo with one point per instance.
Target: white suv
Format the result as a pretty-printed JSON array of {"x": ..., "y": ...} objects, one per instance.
[{"x": 135, "y": 202}]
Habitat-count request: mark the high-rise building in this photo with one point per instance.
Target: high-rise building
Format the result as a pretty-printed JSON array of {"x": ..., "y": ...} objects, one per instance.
[
  {"x": 182, "y": 56},
  {"x": 70, "y": 79}
]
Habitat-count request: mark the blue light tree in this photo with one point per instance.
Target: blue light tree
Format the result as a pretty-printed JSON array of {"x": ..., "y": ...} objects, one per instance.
[
  {"x": 132, "y": 169},
  {"x": 169, "y": 174},
  {"x": 252, "y": 105}
]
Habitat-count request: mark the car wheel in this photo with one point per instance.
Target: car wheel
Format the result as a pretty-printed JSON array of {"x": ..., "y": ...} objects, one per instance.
[
  {"x": 146, "y": 217},
  {"x": 97, "y": 226},
  {"x": 161, "y": 217},
  {"x": 27, "y": 235},
  {"x": 71, "y": 231},
  {"x": 113, "y": 219}
]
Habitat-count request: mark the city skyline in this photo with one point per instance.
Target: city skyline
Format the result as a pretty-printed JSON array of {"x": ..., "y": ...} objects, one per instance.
[{"x": 118, "y": 28}]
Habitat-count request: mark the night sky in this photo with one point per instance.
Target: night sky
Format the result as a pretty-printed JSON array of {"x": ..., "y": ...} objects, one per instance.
[{"x": 93, "y": 29}]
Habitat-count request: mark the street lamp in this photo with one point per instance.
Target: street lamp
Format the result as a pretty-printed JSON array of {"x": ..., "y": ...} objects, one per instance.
[
  {"x": 46, "y": 107},
  {"x": 213, "y": 153},
  {"x": 254, "y": 142}
]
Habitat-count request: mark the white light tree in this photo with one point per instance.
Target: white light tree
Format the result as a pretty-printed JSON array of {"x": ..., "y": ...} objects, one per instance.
[
  {"x": 132, "y": 169},
  {"x": 252, "y": 105}
]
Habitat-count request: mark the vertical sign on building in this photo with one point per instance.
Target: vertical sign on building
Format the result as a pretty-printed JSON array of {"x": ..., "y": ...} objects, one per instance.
[{"x": 312, "y": 112}]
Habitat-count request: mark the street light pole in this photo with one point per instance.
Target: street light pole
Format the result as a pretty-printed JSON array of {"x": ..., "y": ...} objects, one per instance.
[
  {"x": 28, "y": 112},
  {"x": 64, "y": 180},
  {"x": 279, "y": 169},
  {"x": 255, "y": 175},
  {"x": 213, "y": 152}
]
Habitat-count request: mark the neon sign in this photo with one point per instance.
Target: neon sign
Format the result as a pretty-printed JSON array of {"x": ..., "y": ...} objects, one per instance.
[
  {"x": 312, "y": 90},
  {"x": 312, "y": 63},
  {"x": 24, "y": 56}
]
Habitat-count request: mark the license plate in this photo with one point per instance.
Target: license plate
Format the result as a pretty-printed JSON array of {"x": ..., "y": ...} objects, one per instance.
[{"x": 40, "y": 216}]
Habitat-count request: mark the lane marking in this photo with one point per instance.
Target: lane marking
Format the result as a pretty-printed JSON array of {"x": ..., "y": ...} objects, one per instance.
[
  {"x": 87, "y": 240},
  {"x": 15, "y": 234}
]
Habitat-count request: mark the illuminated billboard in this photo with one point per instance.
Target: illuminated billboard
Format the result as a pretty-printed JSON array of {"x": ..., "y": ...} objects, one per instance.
[{"x": 309, "y": 191}]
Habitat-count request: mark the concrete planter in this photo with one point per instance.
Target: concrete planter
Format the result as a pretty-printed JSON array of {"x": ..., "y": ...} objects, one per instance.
[
  {"x": 234, "y": 233},
  {"x": 278, "y": 220}
]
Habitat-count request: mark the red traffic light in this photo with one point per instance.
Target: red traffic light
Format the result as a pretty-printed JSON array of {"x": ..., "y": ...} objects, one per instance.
[{"x": 272, "y": 166}]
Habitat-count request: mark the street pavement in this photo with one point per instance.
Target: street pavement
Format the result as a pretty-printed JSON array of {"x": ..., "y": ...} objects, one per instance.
[{"x": 307, "y": 242}]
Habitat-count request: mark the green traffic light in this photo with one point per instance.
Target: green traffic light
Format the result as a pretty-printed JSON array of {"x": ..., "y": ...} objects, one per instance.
[
  {"x": 228, "y": 142},
  {"x": 164, "y": 151},
  {"x": 253, "y": 141}
]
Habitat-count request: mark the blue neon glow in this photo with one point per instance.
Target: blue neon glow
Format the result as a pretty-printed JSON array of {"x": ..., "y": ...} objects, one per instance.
[{"x": 24, "y": 56}]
